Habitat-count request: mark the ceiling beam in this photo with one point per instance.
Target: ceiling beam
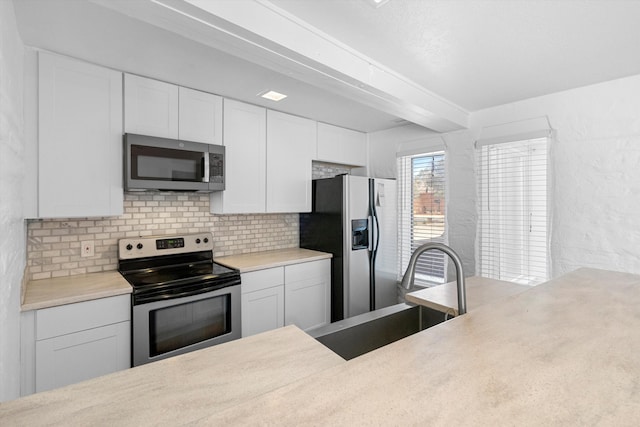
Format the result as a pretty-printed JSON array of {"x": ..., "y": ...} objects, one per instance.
[{"x": 262, "y": 33}]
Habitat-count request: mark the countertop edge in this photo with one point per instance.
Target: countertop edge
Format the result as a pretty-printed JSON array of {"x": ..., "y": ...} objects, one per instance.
[
  {"x": 54, "y": 292},
  {"x": 73, "y": 299},
  {"x": 432, "y": 304},
  {"x": 504, "y": 290},
  {"x": 246, "y": 266}
]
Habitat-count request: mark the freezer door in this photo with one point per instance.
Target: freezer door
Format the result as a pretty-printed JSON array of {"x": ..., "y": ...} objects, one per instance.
[
  {"x": 386, "y": 264},
  {"x": 356, "y": 284}
]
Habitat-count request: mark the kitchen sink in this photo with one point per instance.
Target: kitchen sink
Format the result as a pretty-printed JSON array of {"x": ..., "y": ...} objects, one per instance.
[{"x": 361, "y": 334}]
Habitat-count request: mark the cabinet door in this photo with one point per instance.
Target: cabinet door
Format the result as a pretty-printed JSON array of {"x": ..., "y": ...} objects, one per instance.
[
  {"x": 262, "y": 310},
  {"x": 339, "y": 145},
  {"x": 150, "y": 107},
  {"x": 245, "y": 143},
  {"x": 308, "y": 294},
  {"x": 200, "y": 116},
  {"x": 80, "y": 139},
  {"x": 291, "y": 143},
  {"x": 71, "y": 358}
]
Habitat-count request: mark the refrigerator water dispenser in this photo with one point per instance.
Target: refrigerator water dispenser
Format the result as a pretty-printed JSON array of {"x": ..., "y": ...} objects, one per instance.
[{"x": 359, "y": 234}]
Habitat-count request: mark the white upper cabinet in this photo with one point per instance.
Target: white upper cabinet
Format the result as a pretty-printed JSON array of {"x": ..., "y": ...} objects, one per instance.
[
  {"x": 245, "y": 128},
  {"x": 162, "y": 109},
  {"x": 150, "y": 107},
  {"x": 339, "y": 145},
  {"x": 290, "y": 146},
  {"x": 200, "y": 116},
  {"x": 268, "y": 161},
  {"x": 80, "y": 139}
]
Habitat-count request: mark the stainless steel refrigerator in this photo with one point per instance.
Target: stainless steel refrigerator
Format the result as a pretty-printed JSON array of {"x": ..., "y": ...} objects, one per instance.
[{"x": 354, "y": 218}]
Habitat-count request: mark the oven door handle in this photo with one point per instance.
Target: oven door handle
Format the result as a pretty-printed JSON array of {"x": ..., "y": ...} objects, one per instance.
[{"x": 147, "y": 298}]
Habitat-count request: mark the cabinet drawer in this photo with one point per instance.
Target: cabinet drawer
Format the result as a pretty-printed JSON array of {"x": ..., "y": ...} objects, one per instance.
[
  {"x": 66, "y": 319},
  {"x": 262, "y": 279},
  {"x": 297, "y": 272},
  {"x": 82, "y": 355}
]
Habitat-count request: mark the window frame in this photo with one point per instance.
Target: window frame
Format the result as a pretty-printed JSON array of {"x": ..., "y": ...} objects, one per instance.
[{"x": 406, "y": 206}]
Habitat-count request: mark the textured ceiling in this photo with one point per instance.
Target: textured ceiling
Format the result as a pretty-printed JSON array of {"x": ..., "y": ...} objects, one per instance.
[
  {"x": 479, "y": 53},
  {"x": 472, "y": 54}
]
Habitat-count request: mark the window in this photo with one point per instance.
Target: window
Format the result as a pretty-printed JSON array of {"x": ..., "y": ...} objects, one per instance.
[
  {"x": 512, "y": 228},
  {"x": 421, "y": 202}
]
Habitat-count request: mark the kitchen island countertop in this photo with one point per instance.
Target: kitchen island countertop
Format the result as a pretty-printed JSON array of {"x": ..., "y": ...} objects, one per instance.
[
  {"x": 181, "y": 389},
  {"x": 561, "y": 353},
  {"x": 479, "y": 291}
]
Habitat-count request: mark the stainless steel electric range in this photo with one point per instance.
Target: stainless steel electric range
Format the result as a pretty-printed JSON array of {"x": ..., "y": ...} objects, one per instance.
[{"x": 182, "y": 300}]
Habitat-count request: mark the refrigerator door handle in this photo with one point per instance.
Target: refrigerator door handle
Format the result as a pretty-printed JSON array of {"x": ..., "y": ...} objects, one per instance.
[
  {"x": 371, "y": 247},
  {"x": 376, "y": 231}
]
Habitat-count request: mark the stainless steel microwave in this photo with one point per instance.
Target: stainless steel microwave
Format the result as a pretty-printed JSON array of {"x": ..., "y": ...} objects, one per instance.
[{"x": 153, "y": 163}]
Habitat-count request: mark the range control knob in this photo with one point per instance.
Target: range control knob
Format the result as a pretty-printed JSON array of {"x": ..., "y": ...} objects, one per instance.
[
  {"x": 139, "y": 246},
  {"x": 129, "y": 246},
  {"x": 206, "y": 240},
  {"x": 198, "y": 241}
]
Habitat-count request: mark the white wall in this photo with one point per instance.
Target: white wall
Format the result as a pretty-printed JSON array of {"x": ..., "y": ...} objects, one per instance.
[
  {"x": 595, "y": 161},
  {"x": 461, "y": 210},
  {"x": 12, "y": 244},
  {"x": 595, "y": 165}
]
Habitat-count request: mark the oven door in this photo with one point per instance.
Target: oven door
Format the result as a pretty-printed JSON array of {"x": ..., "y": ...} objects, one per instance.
[{"x": 163, "y": 329}]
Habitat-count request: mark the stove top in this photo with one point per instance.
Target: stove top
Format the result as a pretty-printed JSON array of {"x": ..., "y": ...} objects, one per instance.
[
  {"x": 167, "y": 267},
  {"x": 172, "y": 273}
]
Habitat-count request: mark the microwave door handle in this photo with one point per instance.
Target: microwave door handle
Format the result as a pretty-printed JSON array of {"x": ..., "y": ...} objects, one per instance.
[{"x": 205, "y": 162}]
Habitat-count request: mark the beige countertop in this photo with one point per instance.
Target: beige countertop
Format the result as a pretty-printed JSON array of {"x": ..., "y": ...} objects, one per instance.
[
  {"x": 268, "y": 259},
  {"x": 562, "y": 353},
  {"x": 181, "y": 389},
  {"x": 46, "y": 293},
  {"x": 70, "y": 289},
  {"x": 479, "y": 290}
]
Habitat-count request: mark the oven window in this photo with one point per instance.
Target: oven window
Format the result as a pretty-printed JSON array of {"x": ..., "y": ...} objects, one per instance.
[
  {"x": 181, "y": 325},
  {"x": 166, "y": 164}
]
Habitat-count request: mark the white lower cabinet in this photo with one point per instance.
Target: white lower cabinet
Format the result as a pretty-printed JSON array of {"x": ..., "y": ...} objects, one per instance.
[
  {"x": 81, "y": 355},
  {"x": 75, "y": 342},
  {"x": 262, "y": 300},
  {"x": 297, "y": 294},
  {"x": 262, "y": 310},
  {"x": 307, "y": 295}
]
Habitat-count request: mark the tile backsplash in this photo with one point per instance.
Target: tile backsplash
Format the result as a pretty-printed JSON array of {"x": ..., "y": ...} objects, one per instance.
[
  {"x": 53, "y": 245},
  {"x": 328, "y": 170}
]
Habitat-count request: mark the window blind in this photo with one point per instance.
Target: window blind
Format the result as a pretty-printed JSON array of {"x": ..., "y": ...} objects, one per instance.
[
  {"x": 421, "y": 202},
  {"x": 513, "y": 210}
]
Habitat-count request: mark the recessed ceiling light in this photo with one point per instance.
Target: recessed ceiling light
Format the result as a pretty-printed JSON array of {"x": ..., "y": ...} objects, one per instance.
[
  {"x": 376, "y": 3},
  {"x": 273, "y": 95}
]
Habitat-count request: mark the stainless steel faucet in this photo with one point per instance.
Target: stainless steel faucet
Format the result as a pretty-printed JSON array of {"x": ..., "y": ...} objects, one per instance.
[{"x": 409, "y": 275}]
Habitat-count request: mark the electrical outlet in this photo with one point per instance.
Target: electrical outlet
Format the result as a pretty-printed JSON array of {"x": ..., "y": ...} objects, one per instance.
[{"x": 87, "y": 248}]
